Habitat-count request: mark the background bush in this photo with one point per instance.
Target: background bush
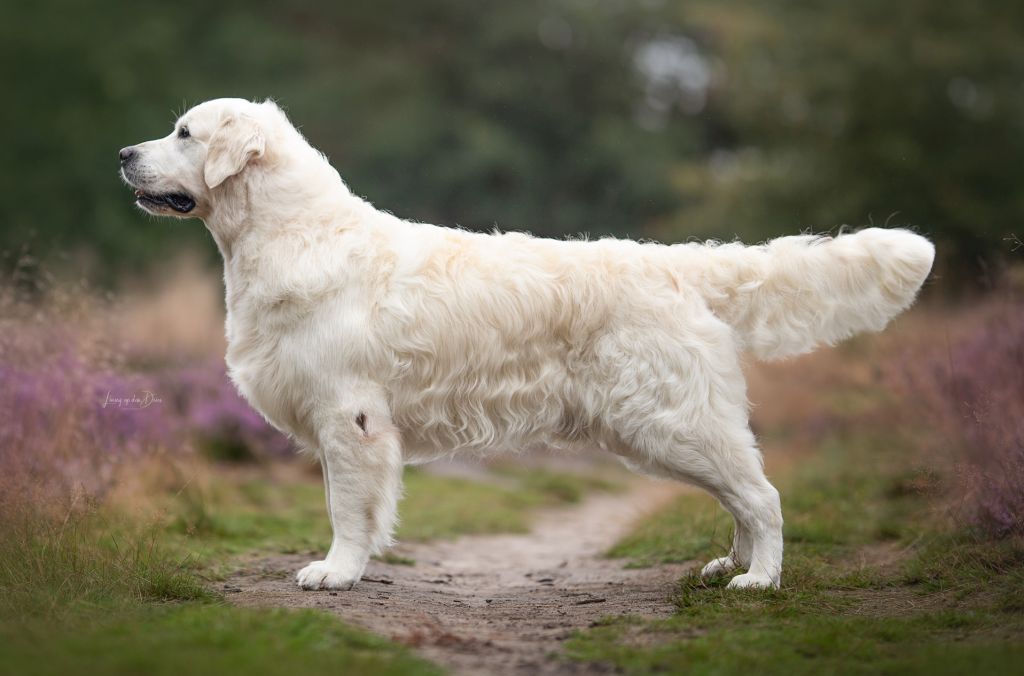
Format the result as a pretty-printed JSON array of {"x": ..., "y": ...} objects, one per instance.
[{"x": 706, "y": 118}]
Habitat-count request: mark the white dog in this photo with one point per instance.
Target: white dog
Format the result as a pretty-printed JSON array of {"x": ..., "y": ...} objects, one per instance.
[{"x": 375, "y": 341}]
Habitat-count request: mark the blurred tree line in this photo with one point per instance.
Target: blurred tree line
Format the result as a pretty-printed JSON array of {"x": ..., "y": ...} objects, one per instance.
[{"x": 707, "y": 118}]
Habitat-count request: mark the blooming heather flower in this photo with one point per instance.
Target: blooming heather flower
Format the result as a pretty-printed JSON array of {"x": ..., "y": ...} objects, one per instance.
[
  {"x": 71, "y": 412},
  {"x": 975, "y": 391}
]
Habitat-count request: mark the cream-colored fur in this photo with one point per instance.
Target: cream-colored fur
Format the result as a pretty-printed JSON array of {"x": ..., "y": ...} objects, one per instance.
[{"x": 375, "y": 341}]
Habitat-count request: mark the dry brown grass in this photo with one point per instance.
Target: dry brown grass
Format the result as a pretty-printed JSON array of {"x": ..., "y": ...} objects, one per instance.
[
  {"x": 178, "y": 312},
  {"x": 797, "y": 403}
]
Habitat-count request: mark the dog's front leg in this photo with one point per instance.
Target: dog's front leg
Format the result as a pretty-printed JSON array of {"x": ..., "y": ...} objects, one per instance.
[{"x": 362, "y": 463}]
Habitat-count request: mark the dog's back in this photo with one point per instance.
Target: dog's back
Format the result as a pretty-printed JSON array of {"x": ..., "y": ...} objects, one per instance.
[{"x": 505, "y": 341}]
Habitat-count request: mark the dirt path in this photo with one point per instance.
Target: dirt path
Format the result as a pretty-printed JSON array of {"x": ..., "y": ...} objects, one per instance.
[{"x": 493, "y": 604}]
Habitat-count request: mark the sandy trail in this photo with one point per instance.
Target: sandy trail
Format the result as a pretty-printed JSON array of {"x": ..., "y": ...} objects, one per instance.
[{"x": 493, "y": 604}]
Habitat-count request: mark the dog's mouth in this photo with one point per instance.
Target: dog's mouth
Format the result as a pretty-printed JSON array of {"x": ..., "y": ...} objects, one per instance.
[{"x": 175, "y": 201}]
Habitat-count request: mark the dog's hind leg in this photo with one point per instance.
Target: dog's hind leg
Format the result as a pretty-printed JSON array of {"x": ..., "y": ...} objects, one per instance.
[
  {"x": 684, "y": 416},
  {"x": 735, "y": 477},
  {"x": 362, "y": 460},
  {"x": 754, "y": 503},
  {"x": 688, "y": 466}
]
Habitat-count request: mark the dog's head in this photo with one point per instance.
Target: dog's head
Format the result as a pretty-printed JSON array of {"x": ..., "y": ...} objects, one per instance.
[{"x": 179, "y": 174}]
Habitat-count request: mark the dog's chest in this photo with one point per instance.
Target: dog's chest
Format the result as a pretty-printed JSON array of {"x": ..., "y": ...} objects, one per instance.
[
  {"x": 287, "y": 359},
  {"x": 264, "y": 369},
  {"x": 254, "y": 377}
]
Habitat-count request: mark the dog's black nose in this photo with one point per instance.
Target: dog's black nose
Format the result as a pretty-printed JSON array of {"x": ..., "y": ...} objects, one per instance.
[{"x": 127, "y": 154}]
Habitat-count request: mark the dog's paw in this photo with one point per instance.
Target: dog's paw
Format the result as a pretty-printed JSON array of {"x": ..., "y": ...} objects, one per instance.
[
  {"x": 718, "y": 567},
  {"x": 752, "y": 581},
  {"x": 328, "y": 575}
]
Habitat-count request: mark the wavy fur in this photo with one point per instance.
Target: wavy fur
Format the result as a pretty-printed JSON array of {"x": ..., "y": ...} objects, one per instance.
[{"x": 375, "y": 341}]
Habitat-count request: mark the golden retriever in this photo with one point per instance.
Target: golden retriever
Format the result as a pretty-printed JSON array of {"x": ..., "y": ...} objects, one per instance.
[{"x": 374, "y": 341}]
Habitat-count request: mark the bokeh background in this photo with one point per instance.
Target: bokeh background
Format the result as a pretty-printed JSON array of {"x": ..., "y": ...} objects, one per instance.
[
  {"x": 672, "y": 120},
  {"x": 134, "y": 480}
]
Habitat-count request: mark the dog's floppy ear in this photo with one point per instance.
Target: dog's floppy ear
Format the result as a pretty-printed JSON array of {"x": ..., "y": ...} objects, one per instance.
[{"x": 238, "y": 140}]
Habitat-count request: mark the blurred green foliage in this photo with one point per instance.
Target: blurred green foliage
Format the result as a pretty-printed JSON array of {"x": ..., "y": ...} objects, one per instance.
[
  {"x": 910, "y": 113},
  {"x": 706, "y": 118}
]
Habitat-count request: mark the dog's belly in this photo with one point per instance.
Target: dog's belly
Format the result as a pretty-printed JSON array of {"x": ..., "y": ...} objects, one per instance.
[
  {"x": 424, "y": 445},
  {"x": 419, "y": 446},
  {"x": 486, "y": 412}
]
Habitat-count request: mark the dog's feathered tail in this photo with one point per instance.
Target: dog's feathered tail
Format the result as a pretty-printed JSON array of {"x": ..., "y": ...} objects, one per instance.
[{"x": 793, "y": 294}]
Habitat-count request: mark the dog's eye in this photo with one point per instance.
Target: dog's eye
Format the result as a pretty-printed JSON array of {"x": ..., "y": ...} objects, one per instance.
[{"x": 183, "y": 132}]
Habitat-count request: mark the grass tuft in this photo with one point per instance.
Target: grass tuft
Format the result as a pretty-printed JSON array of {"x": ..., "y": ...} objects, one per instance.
[
  {"x": 49, "y": 567},
  {"x": 205, "y": 639},
  {"x": 858, "y": 597},
  {"x": 87, "y": 592}
]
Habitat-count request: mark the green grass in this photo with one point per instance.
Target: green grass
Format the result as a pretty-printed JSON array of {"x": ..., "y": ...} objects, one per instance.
[
  {"x": 103, "y": 590},
  {"x": 560, "y": 487},
  {"x": 52, "y": 567},
  {"x": 872, "y": 583},
  {"x": 240, "y": 516},
  {"x": 777, "y": 641},
  {"x": 197, "y": 638},
  {"x": 252, "y": 515},
  {"x": 444, "y": 507},
  {"x": 690, "y": 527},
  {"x": 88, "y": 593}
]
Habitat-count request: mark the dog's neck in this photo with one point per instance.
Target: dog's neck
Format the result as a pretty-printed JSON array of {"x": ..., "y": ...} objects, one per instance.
[
  {"x": 276, "y": 197},
  {"x": 271, "y": 195}
]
